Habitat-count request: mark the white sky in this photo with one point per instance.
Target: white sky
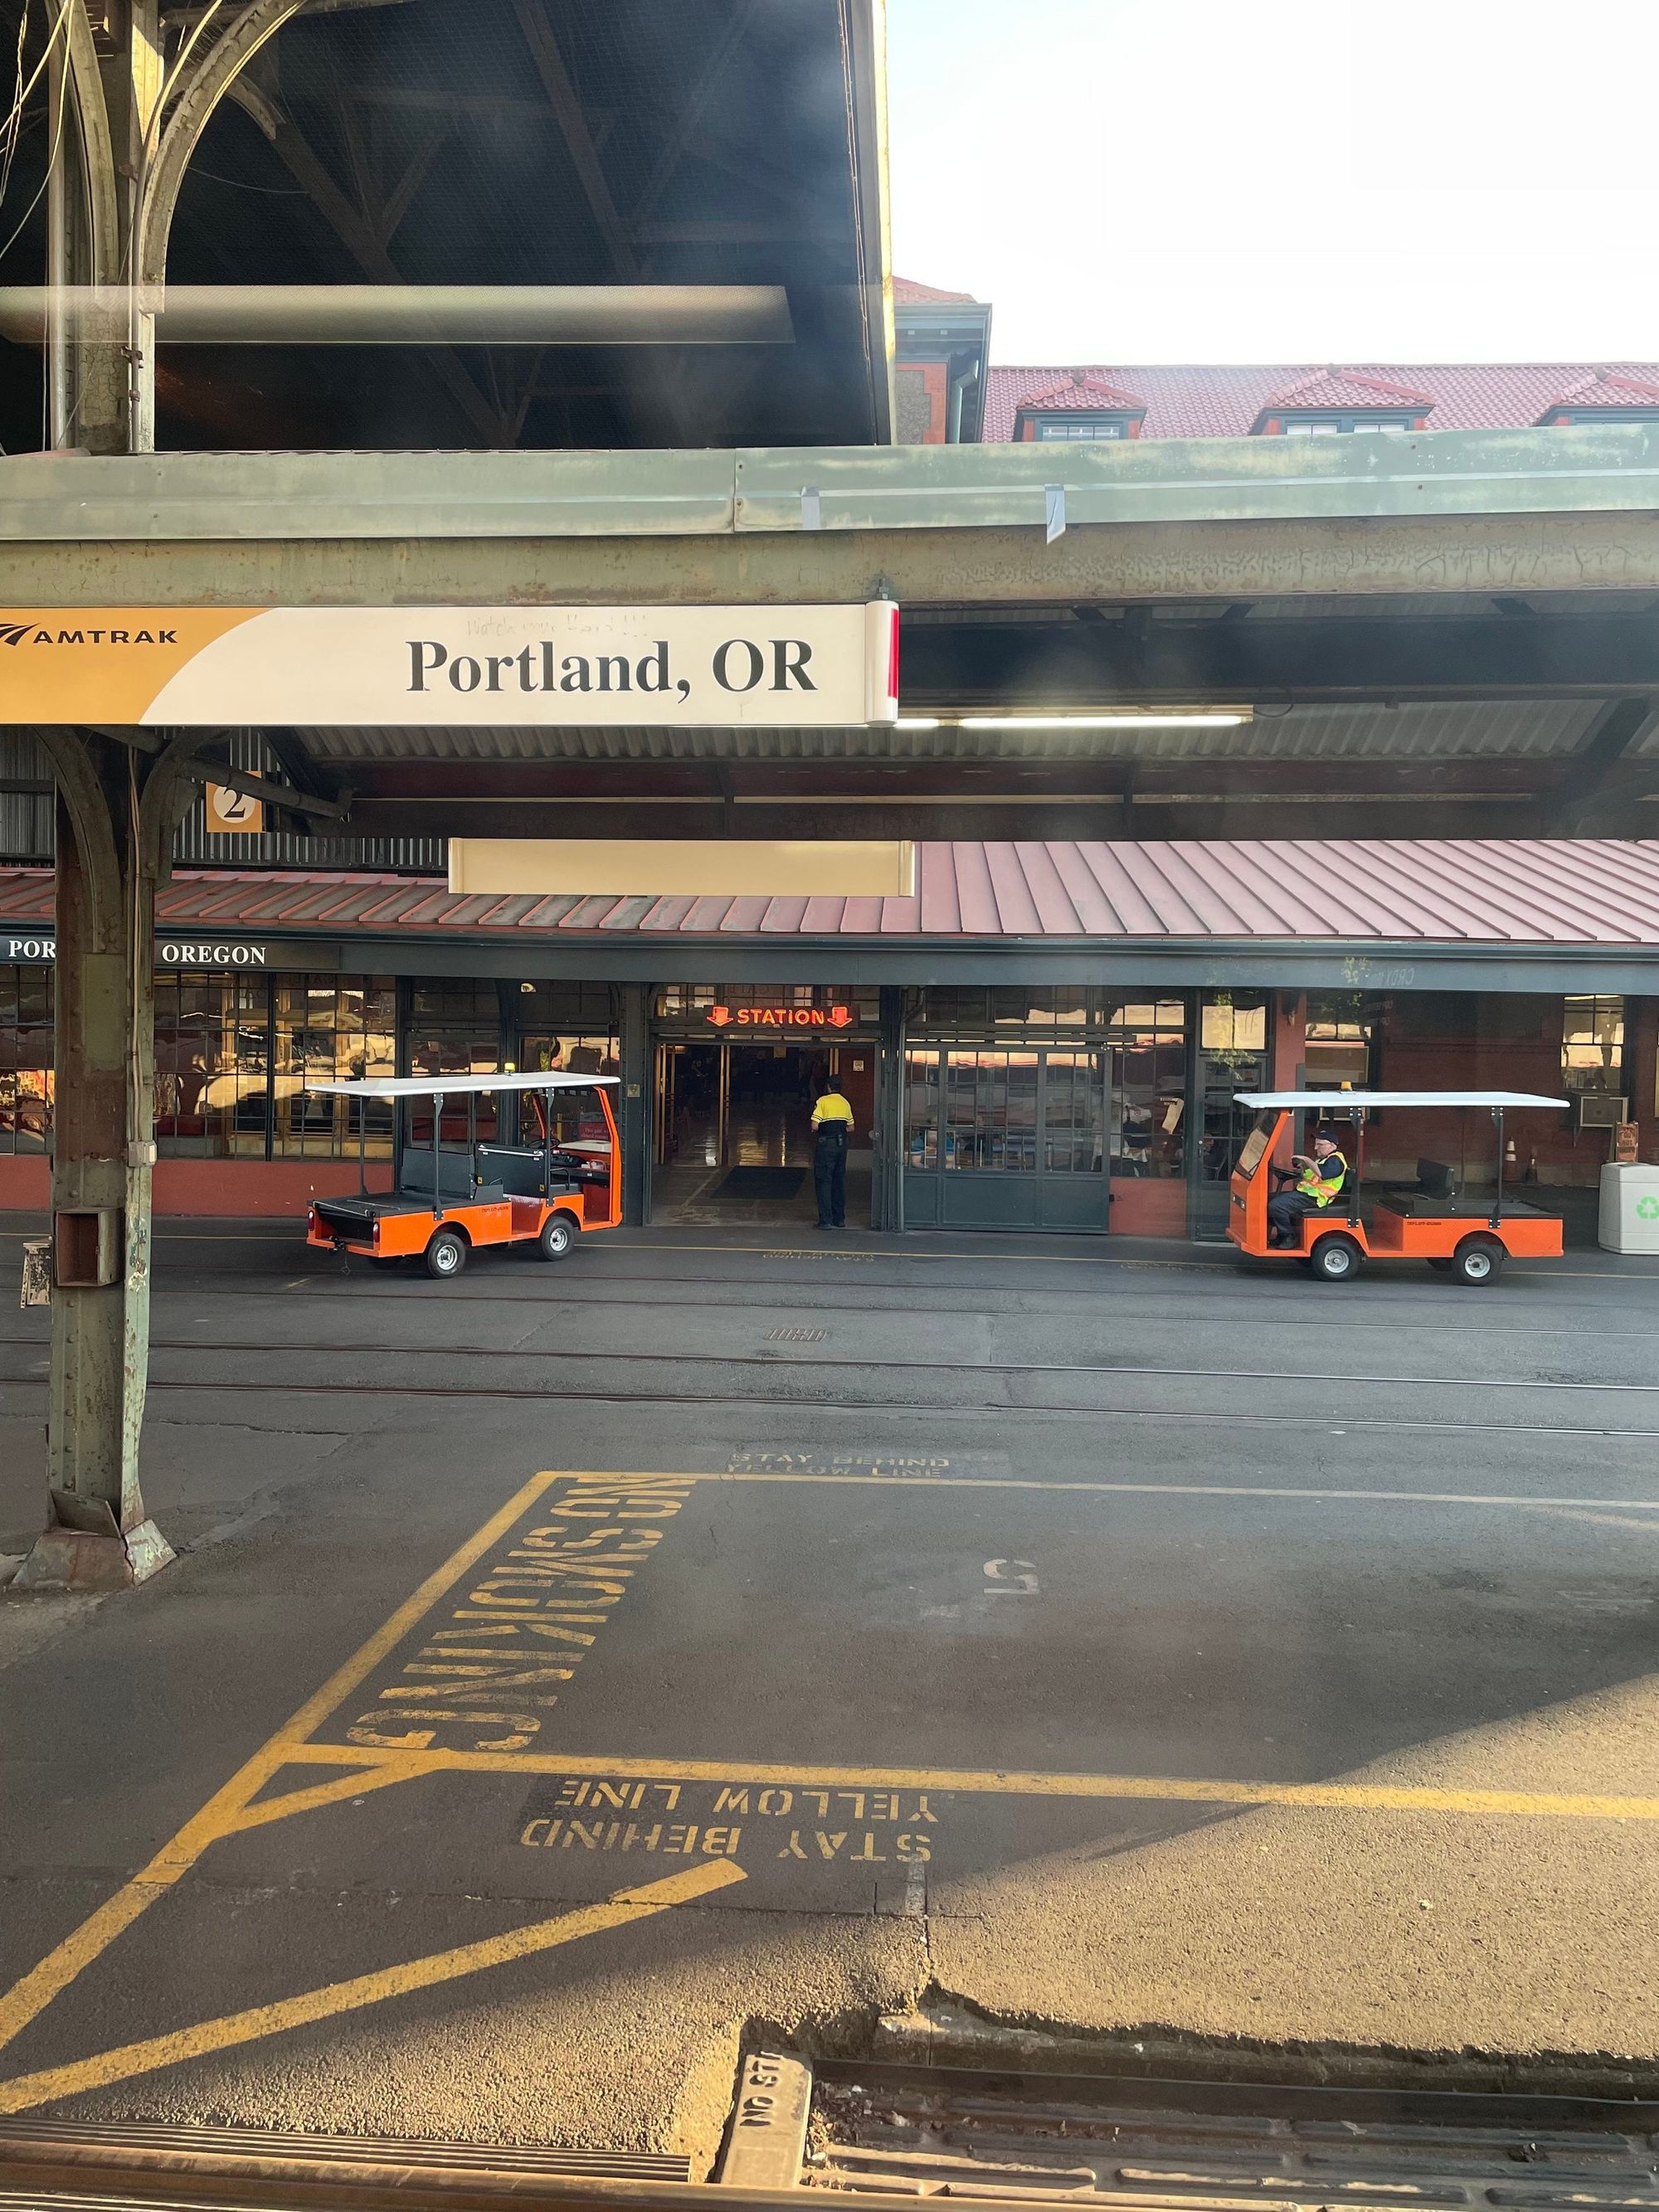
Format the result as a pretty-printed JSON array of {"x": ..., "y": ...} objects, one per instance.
[{"x": 1215, "y": 180}]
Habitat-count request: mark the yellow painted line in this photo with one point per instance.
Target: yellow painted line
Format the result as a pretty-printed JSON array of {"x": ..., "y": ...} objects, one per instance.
[
  {"x": 1011, "y": 1782},
  {"x": 225, "y": 2033},
  {"x": 341, "y": 1788},
  {"x": 226, "y": 1810}
]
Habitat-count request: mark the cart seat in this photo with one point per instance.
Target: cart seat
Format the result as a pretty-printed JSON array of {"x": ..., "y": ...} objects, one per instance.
[{"x": 453, "y": 1181}]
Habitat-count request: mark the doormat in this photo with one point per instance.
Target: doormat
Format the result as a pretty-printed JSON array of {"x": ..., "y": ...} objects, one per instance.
[{"x": 761, "y": 1182}]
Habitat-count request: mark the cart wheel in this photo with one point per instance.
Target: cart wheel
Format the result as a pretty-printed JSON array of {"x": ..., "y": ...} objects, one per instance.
[
  {"x": 1442, "y": 1267},
  {"x": 1477, "y": 1260},
  {"x": 1335, "y": 1259},
  {"x": 556, "y": 1238},
  {"x": 446, "y": 1256}
]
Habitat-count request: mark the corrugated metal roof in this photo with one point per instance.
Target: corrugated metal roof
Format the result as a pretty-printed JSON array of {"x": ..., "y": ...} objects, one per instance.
[
  {"x": 1486, "y": 891},
  {"x": 1447, "y": 729}
]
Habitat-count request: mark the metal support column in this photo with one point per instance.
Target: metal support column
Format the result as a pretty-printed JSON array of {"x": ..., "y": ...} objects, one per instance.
[
  {"x": 116, "y": 816},
  {"x": 886, "y": 1197},
  {"x": 635, "y": 1121}
]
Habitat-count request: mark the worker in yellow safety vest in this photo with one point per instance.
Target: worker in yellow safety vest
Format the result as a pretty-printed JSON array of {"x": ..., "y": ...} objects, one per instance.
[
  {"x": 1319, "y": 1182},
  {"x": 832, "y": 1123}
]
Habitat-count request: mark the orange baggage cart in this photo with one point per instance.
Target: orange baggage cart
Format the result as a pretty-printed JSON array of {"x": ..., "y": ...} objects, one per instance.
[
  {"x": 564, "y": 1182},
  {"x": 1469, "y": 1235}
]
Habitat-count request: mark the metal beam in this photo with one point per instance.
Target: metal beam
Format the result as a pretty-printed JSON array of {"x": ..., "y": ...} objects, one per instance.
[
  {"x": 404, "y": 314},
  {"x": 1084, "y": 816},
  {"x": 672, "y": 147},
  {"x": 1595, "y": 765},
  {"x": 233, "y": 779},
  {"x": 1069, "y": 664},
  {"x": 567, "y": 107},
  {"x": 361, "y": 241}
]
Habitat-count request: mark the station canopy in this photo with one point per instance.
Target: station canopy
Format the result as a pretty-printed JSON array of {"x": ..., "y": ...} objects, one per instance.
[{"x": 655, "y": 150}]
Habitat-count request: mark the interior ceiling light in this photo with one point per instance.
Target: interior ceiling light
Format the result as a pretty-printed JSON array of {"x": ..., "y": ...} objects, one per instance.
[{"x": 1129, "y": 718}]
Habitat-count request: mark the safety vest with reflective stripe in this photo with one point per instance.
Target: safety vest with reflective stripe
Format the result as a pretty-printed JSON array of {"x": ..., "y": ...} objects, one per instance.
[{"x": 1323, "y": 1180}]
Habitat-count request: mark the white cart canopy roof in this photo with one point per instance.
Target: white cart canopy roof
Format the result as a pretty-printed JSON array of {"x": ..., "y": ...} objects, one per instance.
[
  {"x": 456, "y": 1087},
  {"x": 1338, "y": 1102}
]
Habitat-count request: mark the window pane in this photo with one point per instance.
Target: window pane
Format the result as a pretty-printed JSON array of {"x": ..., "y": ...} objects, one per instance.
[
  {"x": 1074, "y": 1113},
  {"x": 26, "y": 1078},
  {"x": 990, "y": 1111},
  {"x": 210, "y": 1072},
  {"x": 1592, "y": 1042},
  {"x": 324, "y": 1030},
  {"x": 921, "y": 1109}
]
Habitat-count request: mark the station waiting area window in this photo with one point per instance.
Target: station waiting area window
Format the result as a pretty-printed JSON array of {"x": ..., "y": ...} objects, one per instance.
[
  {"x": 1149, "y": 1087},
  {"x": 337, "y": 1027},
  {"x": 1338, "y": 1039},
  {"x": 212, "y": 1065},
  {"x": 26, "y": 1080},
  {"x": 1592, "y": 1042},
  {"x": 1003, "y": 1111},
  {"x": 976, "y": 1010},
  {"x": 454, "y": 1029}
]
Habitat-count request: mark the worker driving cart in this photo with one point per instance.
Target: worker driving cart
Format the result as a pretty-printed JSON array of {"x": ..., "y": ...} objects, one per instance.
[
  {"x": 1319, "y": 1180},
  {"x": 1319, "y": 1220}
]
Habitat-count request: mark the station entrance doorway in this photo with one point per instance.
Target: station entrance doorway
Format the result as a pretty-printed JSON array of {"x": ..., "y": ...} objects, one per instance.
[{"x": 733, "y": 1128}]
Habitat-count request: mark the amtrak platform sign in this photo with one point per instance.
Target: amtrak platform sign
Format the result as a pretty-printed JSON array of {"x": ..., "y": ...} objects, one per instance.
[{"x": 380, "y": 668}]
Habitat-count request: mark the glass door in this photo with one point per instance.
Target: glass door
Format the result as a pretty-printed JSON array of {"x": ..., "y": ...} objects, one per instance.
[
  {"x": 999, "y": 1138},
  {"x": 1232, "y": 1056}
]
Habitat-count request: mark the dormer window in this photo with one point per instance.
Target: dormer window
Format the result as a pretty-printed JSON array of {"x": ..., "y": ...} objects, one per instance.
[
  {"x": 1079, "y": 410},
  {"x": 1339, "y": 400},
  {"x": 1604, "y": 397},
  {"x": 1049, "y": 429},
  {"x": 1330, "y": 425}
]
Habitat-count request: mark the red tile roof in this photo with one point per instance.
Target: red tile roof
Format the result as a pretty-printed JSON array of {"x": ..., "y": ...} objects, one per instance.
[
  {"x": 906, "y": 293},
  {"x": 1074, "y": 391},
  {"x": 1586, "y": 892},
  {"x": 1339, "y": 387},
  {"x": 1185, "y": 402},
  {"x": 1602, "y": 389}
]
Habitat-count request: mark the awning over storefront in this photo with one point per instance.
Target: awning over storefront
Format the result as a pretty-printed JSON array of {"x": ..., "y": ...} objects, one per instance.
[
  {"x": 1501, "y": 914},
  {"x": 1596, "y": 891}
]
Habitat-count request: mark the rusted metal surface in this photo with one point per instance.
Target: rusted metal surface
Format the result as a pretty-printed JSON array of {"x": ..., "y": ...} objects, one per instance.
[
  {"x": 115, "y": 820},
  {"x": 1215, "y": 2147},
  {"x": 63, "y": 2162}
]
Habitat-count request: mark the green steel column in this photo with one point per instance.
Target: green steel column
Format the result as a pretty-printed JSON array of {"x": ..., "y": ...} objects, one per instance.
[
  {"x": 887, "y": 1207},
  {"x": 97, "y": 1534}
]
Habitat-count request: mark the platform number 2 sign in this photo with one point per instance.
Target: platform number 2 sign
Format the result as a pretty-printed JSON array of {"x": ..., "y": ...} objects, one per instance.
[{"x": 234, "y": 813}]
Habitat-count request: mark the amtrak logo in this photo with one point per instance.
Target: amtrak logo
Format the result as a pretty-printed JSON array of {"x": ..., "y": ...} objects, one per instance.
[{"x": 33, "y": 632}]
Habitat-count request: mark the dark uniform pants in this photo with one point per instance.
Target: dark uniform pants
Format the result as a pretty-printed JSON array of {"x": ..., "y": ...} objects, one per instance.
[
  {"x": 830, "y": 1178},
  {"x": 1286, "y": 1210}
]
